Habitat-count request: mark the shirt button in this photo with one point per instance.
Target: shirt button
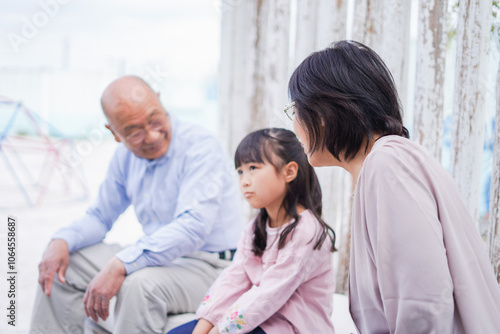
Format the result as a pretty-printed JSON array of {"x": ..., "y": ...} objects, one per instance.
[{"x": 134, "y": 265}]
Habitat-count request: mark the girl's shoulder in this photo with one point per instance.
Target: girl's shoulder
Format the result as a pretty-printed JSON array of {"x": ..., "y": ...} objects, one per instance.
[
  {"x": 307, "y": 217},
  {"x": 308, "y": 227},
  {"x": 302, "y": 240}
]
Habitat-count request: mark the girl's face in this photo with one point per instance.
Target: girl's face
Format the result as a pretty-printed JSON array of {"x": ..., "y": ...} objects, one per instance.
[
  {"x": 321, "y": 157},
  {"x": 262, "y": 185}
]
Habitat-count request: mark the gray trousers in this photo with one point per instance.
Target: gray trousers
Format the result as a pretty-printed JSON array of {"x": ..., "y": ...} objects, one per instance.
[{"x": 143, "y": 301}]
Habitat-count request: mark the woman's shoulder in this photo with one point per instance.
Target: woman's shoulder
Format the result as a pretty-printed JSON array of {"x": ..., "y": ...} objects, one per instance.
[
  {"x": 394, "y": 152},
  {"x": 396, "y": 162},
  {"x": 397, "y": 145}
]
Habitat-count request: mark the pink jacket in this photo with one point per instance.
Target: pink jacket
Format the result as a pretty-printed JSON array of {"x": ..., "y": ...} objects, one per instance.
[
  {"x": 418, "y": 264},
  {"x": 285, "y": 291}
]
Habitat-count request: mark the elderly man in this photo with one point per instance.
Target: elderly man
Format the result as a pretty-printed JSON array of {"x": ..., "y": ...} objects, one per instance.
[{"x": 180, "y": 183}]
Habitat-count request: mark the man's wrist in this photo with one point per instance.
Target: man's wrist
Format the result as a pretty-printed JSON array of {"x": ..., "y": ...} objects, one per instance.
[
  {"x": 59, "y": 240},
  {"x": 61, "y": 244},
  {"x": 134, "y": 264},
  {"x": 118, "y": 266},
  {"x": 70, "y": 238}
]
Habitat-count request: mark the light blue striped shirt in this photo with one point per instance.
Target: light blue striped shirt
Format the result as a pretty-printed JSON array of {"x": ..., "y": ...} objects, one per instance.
[{"x": 187, "y": 200}]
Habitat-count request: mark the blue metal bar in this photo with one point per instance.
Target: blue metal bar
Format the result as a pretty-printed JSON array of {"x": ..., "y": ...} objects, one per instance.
[{"x": 10, "y": 123}]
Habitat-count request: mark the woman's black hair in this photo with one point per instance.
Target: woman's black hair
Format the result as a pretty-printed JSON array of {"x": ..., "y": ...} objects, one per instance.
[
  {"x": 345, "y": 95},
  {"x": 279, "y": 147}
]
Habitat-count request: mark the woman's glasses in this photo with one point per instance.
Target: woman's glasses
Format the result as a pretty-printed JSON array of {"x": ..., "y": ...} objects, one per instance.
[{"x": 290, "y": 111}]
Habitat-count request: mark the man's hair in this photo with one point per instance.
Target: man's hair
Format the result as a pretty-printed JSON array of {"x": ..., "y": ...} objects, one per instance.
[{"x": 343, "y": 95}]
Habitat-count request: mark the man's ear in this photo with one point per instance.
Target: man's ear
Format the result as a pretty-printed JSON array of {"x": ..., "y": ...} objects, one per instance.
[
  {"x": 117, "y": 139},
  {"x": 290, "y": 171}
]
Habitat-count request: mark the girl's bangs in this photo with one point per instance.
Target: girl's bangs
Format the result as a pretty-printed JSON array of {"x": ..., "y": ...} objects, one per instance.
[{"x": 251, "y": 149}]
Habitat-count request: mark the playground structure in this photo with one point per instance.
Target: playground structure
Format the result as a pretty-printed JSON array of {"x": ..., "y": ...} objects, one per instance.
[{"x": 36, "y": 160}]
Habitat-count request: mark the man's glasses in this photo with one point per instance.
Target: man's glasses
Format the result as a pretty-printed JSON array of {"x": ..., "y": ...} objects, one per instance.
[
  {"x": 136, "y": 137},
  {"x": 290, "y": 111}
]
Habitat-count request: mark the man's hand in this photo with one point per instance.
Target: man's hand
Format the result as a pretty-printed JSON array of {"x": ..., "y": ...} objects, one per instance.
[
  {"x": 54, "y": 260},
  {"x": 203, "y": 327},
  {"x": 102, "y": 288}
]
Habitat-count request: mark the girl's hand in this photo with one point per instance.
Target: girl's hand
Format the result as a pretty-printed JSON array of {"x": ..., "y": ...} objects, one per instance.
[{"x": 203, "y": 327}]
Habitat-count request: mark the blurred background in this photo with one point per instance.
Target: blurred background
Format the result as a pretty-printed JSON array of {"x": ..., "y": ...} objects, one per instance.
[
  {"x": 57, "y": 56},
  {"x": 223, "y": 64}
]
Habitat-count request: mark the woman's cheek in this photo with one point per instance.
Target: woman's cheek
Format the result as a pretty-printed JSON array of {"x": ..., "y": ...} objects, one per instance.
[{"x": 300, "y": 133}]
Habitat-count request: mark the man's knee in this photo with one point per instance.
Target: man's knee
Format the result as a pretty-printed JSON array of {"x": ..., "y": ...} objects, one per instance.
[
  {"x": 141, "y": 282},
  {"x": 74, "y": 277},
  {"x": 153, "y": 285}
]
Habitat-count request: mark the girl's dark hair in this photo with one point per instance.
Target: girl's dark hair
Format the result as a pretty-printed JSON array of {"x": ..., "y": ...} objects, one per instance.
[
  {"x": 343, "y": 95},
  {"x": 279, "y": 147}
]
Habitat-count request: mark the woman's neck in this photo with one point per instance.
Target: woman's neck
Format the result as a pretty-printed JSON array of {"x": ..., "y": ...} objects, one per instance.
[{"x": 355, "y": 165}]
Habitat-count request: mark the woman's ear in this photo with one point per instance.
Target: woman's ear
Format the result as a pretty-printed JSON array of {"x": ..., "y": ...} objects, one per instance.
[{"x": 290, "y": 171}]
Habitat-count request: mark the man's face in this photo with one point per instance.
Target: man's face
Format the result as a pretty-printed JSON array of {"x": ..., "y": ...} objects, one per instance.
[{"x": 144, "y": 127}]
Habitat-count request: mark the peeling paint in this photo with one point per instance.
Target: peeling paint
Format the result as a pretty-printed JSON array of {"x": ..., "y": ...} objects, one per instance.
[
  {"x": 468, "y": 112},
  {"x": 494, "y": 214}
]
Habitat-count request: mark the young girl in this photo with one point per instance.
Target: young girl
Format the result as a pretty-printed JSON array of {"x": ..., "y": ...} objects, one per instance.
[{"x": 281, "y": 279}]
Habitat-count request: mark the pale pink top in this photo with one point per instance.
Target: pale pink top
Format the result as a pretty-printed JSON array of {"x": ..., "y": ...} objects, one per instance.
[
  {"x": 286, "y": 291},
  {"x": 418, "y": 264}
]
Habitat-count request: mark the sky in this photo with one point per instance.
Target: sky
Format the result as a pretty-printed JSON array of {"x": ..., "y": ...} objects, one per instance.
[
  {"x": 96, "y": 31},
  {"x": 57, "y": 56}
]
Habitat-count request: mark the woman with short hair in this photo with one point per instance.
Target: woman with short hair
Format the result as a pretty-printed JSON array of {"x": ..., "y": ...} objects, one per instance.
[{"x": 418, "y": 264}]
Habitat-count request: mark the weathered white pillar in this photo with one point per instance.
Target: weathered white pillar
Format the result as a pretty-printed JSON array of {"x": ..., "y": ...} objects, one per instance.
[
  {"x": 344, "y": 229},
  {"x": 307, "y": 29},
  {"x": 253, "y": 67},
  {"x": 494, "y": 215},
  {"x": 271, "y": 73},
  {"x": 332, "y": 22},
  {"x": 318, "y": 24},
  {"x": 473, "y": 33},
  {"x": 238, "y": 31},
  {"x": 384, "y": 26},
  {"x": 429, "y": 92}
]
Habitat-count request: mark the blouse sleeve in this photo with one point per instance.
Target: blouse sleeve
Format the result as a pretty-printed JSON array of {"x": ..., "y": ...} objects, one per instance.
[
  {"x": 230, "y": 284},
  {"x": 296, "y": 263},
  {"x": 405, "y": 238}
]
